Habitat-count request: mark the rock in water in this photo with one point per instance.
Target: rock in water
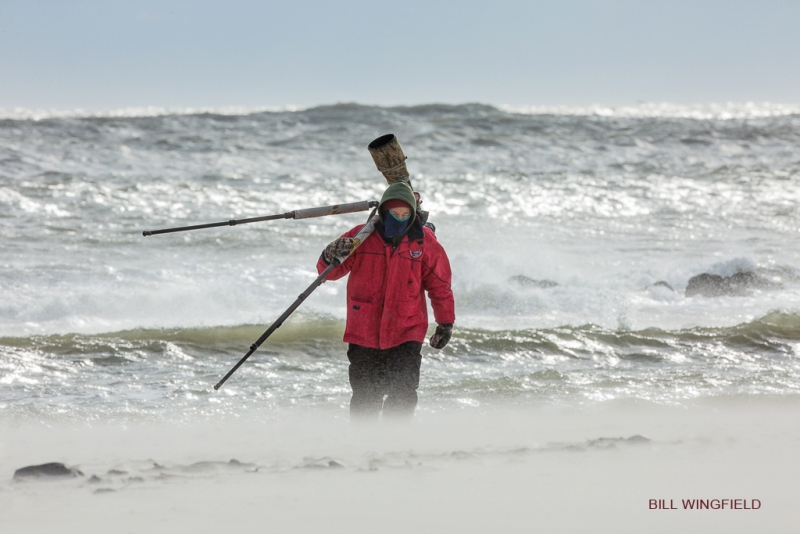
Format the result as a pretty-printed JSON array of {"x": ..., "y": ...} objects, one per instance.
[
  {"x": 53, "y": 469},
  {"x": 712, "y": 285},
  {"x": 751, "y": 280},
  {"x": 707, "y": 285}
]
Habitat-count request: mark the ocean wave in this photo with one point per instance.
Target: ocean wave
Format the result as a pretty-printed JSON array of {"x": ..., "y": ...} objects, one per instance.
[
  {"x": 726, "y": 111},
  {"x": 571, "y": 341}
]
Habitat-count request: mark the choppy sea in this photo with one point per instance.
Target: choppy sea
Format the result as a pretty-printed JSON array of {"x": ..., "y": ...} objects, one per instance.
[{"x": 573, "y": 234}]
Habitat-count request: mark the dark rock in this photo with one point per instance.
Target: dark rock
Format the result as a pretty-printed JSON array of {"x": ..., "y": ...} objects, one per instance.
[
  {"x": 524, "y": 281},
  {"x": 707, "y": 285},
  {"x": 51, "y": 470},
  {"x": 117, "y": 472},
  {"x": 740, "y": 284},
  {"x": 95, "y": 479},
  {"x": 752, "y": 280}
]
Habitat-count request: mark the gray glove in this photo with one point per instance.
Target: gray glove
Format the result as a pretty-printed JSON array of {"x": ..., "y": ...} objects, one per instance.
[
  {"x": 338, "y": 247},
  {"x": 442, "y": 335}
]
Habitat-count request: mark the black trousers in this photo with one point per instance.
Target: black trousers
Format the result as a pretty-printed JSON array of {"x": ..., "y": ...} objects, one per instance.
[{"x": 392, "y": 372}]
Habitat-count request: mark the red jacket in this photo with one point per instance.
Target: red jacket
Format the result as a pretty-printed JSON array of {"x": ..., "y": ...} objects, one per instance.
[{"x": 385, "y": 299}]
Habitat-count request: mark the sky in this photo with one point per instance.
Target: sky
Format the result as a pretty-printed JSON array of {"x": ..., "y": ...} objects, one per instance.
[{"x": 170, "y": 53}]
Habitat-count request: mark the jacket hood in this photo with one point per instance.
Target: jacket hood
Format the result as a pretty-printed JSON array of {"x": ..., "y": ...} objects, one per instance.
[{"x": 399, "y": 191}]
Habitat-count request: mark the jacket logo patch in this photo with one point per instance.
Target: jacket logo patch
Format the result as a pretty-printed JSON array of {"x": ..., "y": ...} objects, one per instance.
[
  {"x": 416, "y": 254},
  {"x": 356, "y": 307}
]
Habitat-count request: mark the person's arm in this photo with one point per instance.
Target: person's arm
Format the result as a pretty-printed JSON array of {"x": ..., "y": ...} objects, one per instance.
[{"x": 436, "y": 280}]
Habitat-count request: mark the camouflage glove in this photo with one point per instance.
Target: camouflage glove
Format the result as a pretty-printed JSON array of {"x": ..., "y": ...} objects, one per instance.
[
  {"x": 338, "y": 247},
  {"x": 442, "y": 335}
]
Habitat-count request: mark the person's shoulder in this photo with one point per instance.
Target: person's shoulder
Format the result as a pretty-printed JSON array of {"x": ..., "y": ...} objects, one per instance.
[
  {"x": 429, "y": 234},
  {"x": 432, "y": 242},
  {"x": 354, "y": 230}
]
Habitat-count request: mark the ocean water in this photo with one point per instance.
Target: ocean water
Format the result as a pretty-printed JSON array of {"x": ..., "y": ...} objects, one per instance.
[
  {"x": 582, "y": 380},
  {"x": 558, "y": 224}
]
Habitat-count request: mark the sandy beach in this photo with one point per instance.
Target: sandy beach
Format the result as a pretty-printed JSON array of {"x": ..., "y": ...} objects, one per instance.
[{"x": 513, "y": 470}]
